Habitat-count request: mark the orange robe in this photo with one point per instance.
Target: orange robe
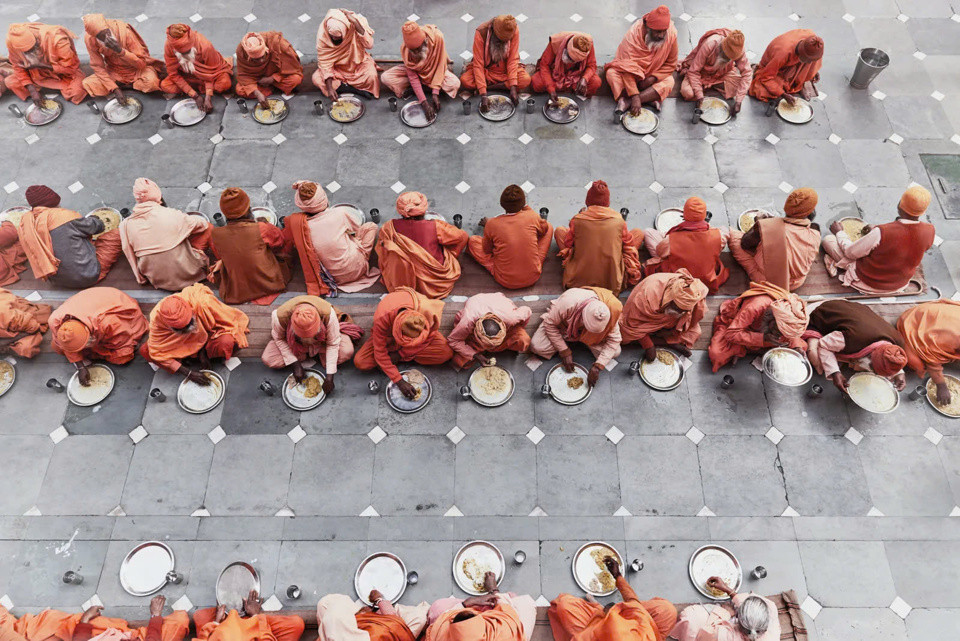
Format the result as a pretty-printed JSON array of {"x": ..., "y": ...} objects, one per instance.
[
  {"x": 219, "y": 328},
  {"x": 348, "y": 62},
  {"x": 575, "y": 619},
  {"x": 513, "y": 247},
  {"x": 599, "y": 251},
  {"x": 58, "y": 51},
  {"x": 12, "y": 258},
  {"x": 554, "y": 75},
  {"x": 212, "y": 72},
  {"x": 386, "y": 338},
  {"x": 737, "y": 330},
  {"x": 635, "y": 61},
  {"x": 931, "y": 332},
  {"x": 260, "y": 627},
  {"x": 52, "y": 625},
  {"x": 499, "y": 623},
  {"x": 132, "y": 67},
  {"x": 405, "y": 263},
  {"x": 383, "y": 627},
  {"x": 431, "y": 70},
  {"x": 281, "y": 63},
  {"x": 642, "y": 317},
  {"x": 113, "y": 318},
  {"x": 787, "y": 249},
  {"x": 21, "y": 318},
  {"x": 482, "y": 71},
  {"x": 780, "y": 70}
]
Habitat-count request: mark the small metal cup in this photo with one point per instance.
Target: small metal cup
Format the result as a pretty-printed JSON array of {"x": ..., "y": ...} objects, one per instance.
[
  {"x": 15, "y": 110},
  {"x": 466, "y": 107},
  {"x": 174, "y": 577},
  {"x": 166, "y": 121},
  {"x": 55, "y": 385},
  {"x": 696, "y": 116},
  {"x": 544, "y": 212},
  {"x": 93, "y": 107},
  {"x": 219, "y": 219},
  {"x": 412, "y": 577},
  {"x": 157, "y": 394},
  {"x": 465, "y": 391},
  {"x": 72, "y": 578},
  {"x": 293, "y": 592},
  {"x": 318, "y": 107},
  {"x": 624, "y": 212},
  {"x": 519, "y": 557},
  {"x": 242, "y": 105},
  {"x": 918, "y": 392},
  {"x": 267, "y": 388},
  {"x": 124, "y": 212},
  {"x": 375, "y": 215},
  {"x": 531, "y": 105},
  {"x": 636, "y": 565},
  {"x": 458, "y": 221},
  {"x": 373, "y": 386},
  {"x": 815, "y": 391},
  {"x": 759, "y": 572},
  {"x": 634, "y": 367},
  {"x": 726, "y": 382},
  {"x": 709, "y": 216},
  {"x": 280, "y": 221},
  {"x": 617, "y": 116},
  {"x": 545, "y": 389},
  {"x": 392, "y": 101},
  {"x": 771, "y": 107}
]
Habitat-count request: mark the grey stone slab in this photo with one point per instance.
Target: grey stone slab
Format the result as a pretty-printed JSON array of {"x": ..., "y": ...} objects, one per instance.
[
  {"x": 923, "y": 571},
  {"x": 910, "y": 419},
  {"x": 35, "y": 168},
  {"x": 350, "y": 409},
  {"x": 917, "y": 117},
  {"x": 860, "y": 624},
  {"x": 153, "y": 485},
  {"x": 921, "y": 529},
  {"x": 873, "y": 8},
  {"x": 303, "y": 121},
  {"x": 934, "y": 36},
  {"x": 110, "y": 166},
  {"x": 748, "y": 163},
  {"x": 754, "y": 488},
  {"x": 231, "y": 528},
  {"x": 504, "y": 528},
  {"x": 927, "y": 624},
  {"x": 332, "y": 475},
  {"x": 622, "y": 163},
  {"x": 112, "y": 593},
  {"x": 558, "y": 163},
  {"x": 905, "y": 476},
  {"x": 638, "y": 410},
  {"x": 233, "y": 163},
  {"x": 168, "y": 417},
  {"x": 848, "y": 574},
  {"x": 516, "y": 416},
  {"x": 873, "y": 163},
  {"x": 664, "y": 569},
  {"x": 319, "y": 568},
  {"x": 560, "y": 528},
  {"x": 431, "y": 163},
  {"x": 258, "y": 486},
  {"x": 556, "y": 557},
  {"x": 949, "y": 449},
  {"x": 793, "y": 413},
  {"x": 418, "y": 470},
  {"x": 730, "y": 411},
  {"x": 39, "y": 565},
  {"x": 677, "y": 528},
  {"x": 751, "y": 528},
  {"x": 247, "y": 410},
  {"x": 308, "y": 159},
  {"x": 495, "y": 163},
  {"x": 72, "y": 486},
  {"x": 181, "y": 164},
  {"x": 781, "y": 559},
  {"x": 62, "y": 528},
  {"x": 593, "y": 416},
  {"x": 738, "y": 200},
  {"x": 316, "y": 528},
  {"x": 431, "y": 560},
  {"x": 440, "y": 414},
  {"x": 25, "y": 464},
  {"x": 858, "y": 115},
  {"x": 576, "y": 476},
  {"x": 893, "y": 34},
  {"x": 798, "y": 169},
  {"x": 496, "y": 475},
  {"x": 166, "y": 528},
  {"x": 412, "y": 528},
  {"x": 824, "y": 477},
  {"x": 121, "y": 411},
  {"x": 660, "y": 475},
  {"x": 825, "y": 528},
  {"x": 369, "y": 162},
  {"x": 210, "y": 557},
  {"x": 688, "y": 163},
  {"x": 143, "y": 127}
]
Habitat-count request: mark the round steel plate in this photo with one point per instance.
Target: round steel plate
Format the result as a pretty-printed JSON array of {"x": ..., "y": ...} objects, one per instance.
[
  {"x": 953, "y": 410},
  {"x": 144, "y": 569},
  {"x": 277, "y": 112},
  {"x": 787, "y": 366},
  {"x": 668, "y": 219},
  {"x": 482, "y": 396},
  {"x": 119, "y": 114},
  {"x": 40, "y": 116},
  {"x": 853, "y": 226},
  {"x": 557, "y": 379},
  {"x": 265, "y": 213},
  {"x": 714, "y": 560},
  {"x": 747, "y": 219},
  {"x": 234, "y": 584},
  {"x": 102, "y": 382},
  {"x": 432, "y": 215},
  {"x": 401, "y": 403},
  {"x": 473, "y": 561},
  {"x": 8, "y": 376},
  {"x": 562, "y": 112},
  {"x": 381, "y": 571},
  {"x": 13, "y": 215},
  {"x": 716, "y": 111},
  {"x": 186, "y": 113},
  {"x": 412, "y": 115},
  {"x": 348, "y": 108},
  {"x": 586, "y": 571},
  {"x": 660, "y": 376},
  {"x": 294, "y": 393},
  {"x": 355, "y": 212},
  {"x": 873, "y": 393},
  {"x": 646, "y": 123},
  {"x": 501, "y": 108},
  {"x": 109, "y": 216},
  {"x": 197, "y": 399},
  {"x": 799, "y": 114}
]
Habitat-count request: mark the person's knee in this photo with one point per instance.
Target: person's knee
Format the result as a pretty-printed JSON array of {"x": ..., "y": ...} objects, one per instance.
[
  {"x": 686, "y": 91},
  {"x": 223, "y": 83}
]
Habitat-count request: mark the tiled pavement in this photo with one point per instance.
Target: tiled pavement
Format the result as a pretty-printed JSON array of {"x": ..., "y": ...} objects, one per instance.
[{"x": 851, "y": 510}]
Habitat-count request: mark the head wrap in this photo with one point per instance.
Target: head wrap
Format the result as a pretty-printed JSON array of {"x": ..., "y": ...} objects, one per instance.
[
  {"x": 732, "y": 45},
  {"x": 411, "y": 204},
  {"x": 305, "y": 320},
  {"x": 180, "y": 36},
  {"x": 234, "y": 203},
  {"x": 694, "y": 210},
  {"x": 504, "y": 27},
  {"x": 413, "y": 35},
  {"x": 410, "y": 322},
  {"x": 145, "y": 190},
  {"x": 42, "y": 196},
  {"x": 174, "y": 312},
  {"x": 800, "y": 203},
  {"x": 254, "y": 45},
  {"x": 598, "y": 194},
  {"x": 811, "y": 48},
  {"x": 489, "y": 342},
  {"x": 513, "y": 199},
  {"x": 658, "y": 19},
  {"x": 578, "y": 47},
  {"x": 94, "y": 23},
  {"x": 310, "y": 204},
  {"x": 684, "y": 291},
  {"x": 21, "y": 37},
  {"x": 914, "y": 201},
  {"x": 790, "y": 313},
  {"x": 73, "y": 335},
  {"x": 596, "y": 315},
  {"x": 888, "y": 359},
  {"x": 336, "y": 28}
]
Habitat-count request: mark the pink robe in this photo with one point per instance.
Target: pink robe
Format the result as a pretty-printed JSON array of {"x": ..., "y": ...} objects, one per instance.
[
  {"x": 697, "y": 624},
  {"x": 344, "y": 246}
]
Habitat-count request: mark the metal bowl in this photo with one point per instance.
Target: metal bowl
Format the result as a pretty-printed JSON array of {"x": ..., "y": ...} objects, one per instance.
[
  {"x": 714, "y": 560},
  {"x": 186, "y": 113},
  {"x": 799, "y": 115},
  {"x": 668, "y": 219},
  {"x": 584, "y": 567},
  {"x": 349, "y": 108},
  {"x": 144, "y": 569},
  {"x": 655, "y": 379},
  {"x": 188, "y": 405},
  {"x": 563, "y": 112},
  {"x": 501, "y": 108},
  {"x": 355, "y": 212},
  {"x": 853, "y": 221},
  {"x": 716, "y": 111},
  {"x": 119, "y": 114},
  {"x": 109, "y": 216},
  {"x": 295, "y": 399},
  {"x": 484, "y": 553},
  {"x": 748, "y": 218},
  {"x": 381, "y": 571},
  {"x": 278, "y": 112},
  {"x": 86, "y": 397},
  {"x": 412, "y": 115},
  {"x": 646, "y": 123}
]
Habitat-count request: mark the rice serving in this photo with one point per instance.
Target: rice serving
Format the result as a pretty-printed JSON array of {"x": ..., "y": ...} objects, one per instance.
[
  {"x": 785, "y": 367},
  {"x": 798, "y": 112},
  {"x": 568, "y": 387},
  {"x": 101, "y": 382},
  {"x": 14, "y": 214},
  {"x": 603, "y": 581},
  {"x": 200, "y": 397},
  {"x": 663, "y": 372},
  {"x": 853, "y": 228},
  {"x": 277, "y": 109},
  {"x": 714, "y": 110},
  {"x": 7, "y": 376},
  {"x": 953, "y": 408},
  {"x": 747, "y": 220},
  {"x": 475, "y": 572},
  {"x": 491, "y": 384},
  {"x": 109, "y": 217},
  {"x": 871, "y": 392},
  {"x": 343, "y": 110}
]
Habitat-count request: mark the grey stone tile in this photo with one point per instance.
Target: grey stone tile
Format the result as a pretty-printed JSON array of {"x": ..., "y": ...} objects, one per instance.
[
  {"x": 752, "y": 528},
  {"x": 418, "y": 470},
  {"x": 781, "y": 559},
  {"x": 231, "y": 164},
  {"x": 110, "y": 590},
  {"x": 905, "y": 476},
  {"x": 860, "y": 624},
  {"x": 748, "y": 163},
  {"x": 331, "y": 475},
  {"x": 167, "y": 417},
  {"x": 623, "y": 163},
  {"x": 871, "y": 29},
  {"x": 639, "y": 410},
  {"x": 496, "y": 475},
  {"x": 430, "y": 560},
  {"x": 824, "y": 528},
  {"x": 247, "y": 410},
  {"x": 319, "y": 568},
  {"x": 38, "y": 566},
  {"x": 113, "y": 166},
  {"x": 874, "y": 8},
  {"x": 727, "y": 411},
  {"x": 688, "y": 163},
  {"x": 516, "y": 416},
  {"x": 848, "y": 574},
  {"x": 234, "y": 491},
  {"x": 949, "y": 449},
  {"x": 873, "y": 164},
  {"x": 857, "y": 115},
  {"x": 754, "y": 488},
  {"x": 412, "y": 528},
  {"x": 121, "y": 411},
  {"x": 73, "y": 486},
  {"x": 917, "y": 117},
  {"x": 315, "y": 528},
  {"x": 143, "y": 127},
  {"x": 559, "y": 163},
  {"x": 923, "y": 570},
  {"x": 495, "y": 163},
  {"x": 369, "y": 162},
  {"x": 25, "y": 464},
  {"x": 824, "y": 477},
  {"x": 231, "y": 528},
  {"x": 932, "y": 35},
  {"x": 505, "y": 528},
  {"x": 183, "y": 163},
  {"x": 676, "y": 528},
  {"x": 166, "y": 528},
  {"x": 560, "y": 528},
  {"x": 594, "y": 416},
  {"x": 927, "y": 624},
  {"x": 437, "y": 418},
  {"x": 659, "y": 577},
  {"x": 576, "y": 476},
  {"x": 921, "y": 529},
  {"x": 795, "y": 414},
  {"x": 910, "y": 419},
  {"x": 155, "y": 485},
  {"x": 798, "y": 170},
  {"x": 210, "y": 557},
  {"x": 425, "y": 164},
  {"x": 660, "y": 475},
  {"x": 62, "y": 528},
  {"x": 350, "y": 409}
]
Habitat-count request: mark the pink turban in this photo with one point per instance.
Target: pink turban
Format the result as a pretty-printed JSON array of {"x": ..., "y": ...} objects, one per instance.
[
  {"x": 596, "y": 315},
  {"x": 336, "y": 28},
  {"x": 313, "y": 205},
  {"x": 145, "y": 190},
  {"x": 411, "y": 204},
  {"x": 254, "y": 45},
  {"x": 790, "y": 313}
]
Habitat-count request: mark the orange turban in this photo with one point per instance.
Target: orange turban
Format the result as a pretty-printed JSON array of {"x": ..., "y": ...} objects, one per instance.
[
  {"x": 411, "y": 204},
  {"x": 790, "y": 313},
  {"x": 305, "y": 320},
  {"x": 658, "y": 19},
  {"x": 732, "y": 45},
  {"x": 800, "y": 203},
  {"x": 174, "y": 312},
  {"x": 234, "y": 203},
  {"x": 180, "y": 36},
  {"x": 914, "y": 201},
  {"x": 410, "y": 328},
  {"x": 73, "y": 335},
  {"x": 888, "y": 359},
  {"x": 598, "y": 194},
  {"x": 489, "y": 342},
  {"x": 20, "y": 37},
  {"x": 504, "y": 27},
  {"x": 145, "y": 190},
  {"x": 254, "y": 45},
  {"x": 413, "y": 35},
  {"x": 94, "y": 23},
  {"x": 578, "y": 47},
  {"x": 811, "y": 48},
  {"x": 694, "y": 210},
  {"x": 684, "y": 290}
]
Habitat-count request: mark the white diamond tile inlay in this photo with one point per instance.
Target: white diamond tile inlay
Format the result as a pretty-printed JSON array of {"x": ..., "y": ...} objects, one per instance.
[
  {"x": 462, "y": 187},
  {"x": 269, "y": 186},
  {"x": 216, "y": 434},
  {"x": 466, "y": 17},
  {"x": 377, "y": 434},
  {"x": 811, "y": 607},
  {"x": 199, "y": 513},
  {"x": 614, "y": 435},
  {"x": 303, "y": 17},
  {"x": 33, "y": 17},
  {"x": 527, "y": 186},
  {"x": 622, "y": 511},
  {"x": 8, "y": 604},
  {"x": 117, "y": 511},
  {"x": 535, "y": 435},
  {"x": 853, "y": 436},
  {"x": 586, "y": 139},
  {"x": 900, "y": 607},
  {"x": 740, "y": 17},
  {"x": 137, "y": 434},
  {"x": 369, "y": 511},
  {"x": 142, "y": 17},
  {"x": 297, "y": 434},
  {"x": 333, "y": 187},
  {"x": 59, "y": 434},
  {"x": 955, "y": 17},
  {"x": 710, "y": 139},
  {"x": 272, "y": 604},
  {"x": 456, "y": 435},
  {"x": 849, "y": 187},
  {"x": 75, "y": 187},
  {"x": 705, "y": 511},
  {"x": 790, "y": 512},
  {"x": 34, "y": 511},
  {"x": 879, "y": 95},
  {"x": 397, "y": 187},
  {"x": 284, "y": 512},
  {"x": 33, "y": 296},
  {"x": 525, "y": 138},
  {"x": 402, "y": 139},
  {"x": 466, "y": 55},
  {"x": 936, "y": 95},
  {"x": 413, "y": 17},
  {"x": 873, "y": 511},
  {"x": 463, "y": 138},
  {"x": 695, "y": 435},
  {"x": 524, "y": 55},
  {"x": 521, "y": 18},
  {"x": 835, "y": 139},
  {"x": 919, "y": 55},
  {"x": 649, "y": 139},
  {"x": 774, "y": 435},
  {"x": 630, "y": 18},
  {"x": 686, "y": 17},
  {"x": 195, "y": 18},
  {"x": 11, "y": 187},
  {"x": 933, "y": 436},
  {"x": 32, "y": 138},
  {"x": 794, "y": 17},
  {"x": 785, "y": 187},
  {"x": 249, "y": 17},
  {"x": 895, "y": 139},
  {"x": 155, "y": 139},
  {"x": 279, "y": 139},
  {"x": 903, "y": 17},
  {"x": 848, "y": 17},
  {"x": 340, "y": 139},
  {"x": 93, "y": 139},
  {"x": 538, "y": 511},
  {"x": 721, "y": 187},
  {"x": 576, "y": 17},
  {"x": 216, "y": 139},
  {"x": 182, "y": 604},
  {"x": 955, "y": 511},
  {"x": 656, "y": 187},
  {"x": 772, "y": 139}
]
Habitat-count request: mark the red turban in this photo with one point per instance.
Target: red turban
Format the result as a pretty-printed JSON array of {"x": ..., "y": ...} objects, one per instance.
[
  {"x": 413, "y": 35},
  {"x": 732, "y": 45},
  {"x": 174, "y": 312},
  {"x": 811, "y": 48},
  {"x": 888, "y": 359},
  {"x": 800, "y": 203},
  {"x": 305, "y": 320},
  {"x": 234, "y": 203},
  {"x": 73, "y": 335},
  {"x": 658, "y": 19},
  {"x": 598, "y": 194},
  {"x": 411, "y": 204},
  {"x": 694, "y": 210},
  {"x": 42, "y": 196}
]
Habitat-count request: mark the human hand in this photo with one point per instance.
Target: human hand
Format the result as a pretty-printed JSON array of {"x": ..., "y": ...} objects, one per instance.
[
  {"x": 120, "y": 96},
  {"x": 514, "y": 95},
  {"x": 83, "y": 375},
  {"x": 428, "y": 110},
  {"x": 298, "y": 373},
  {"x": 328, "y": 384},
  {"x": 208, "y": 103},
  {"x": 482, "y": 359},
  {"x": 156, "y": 605},
  {"x": 199, "y": 378},
  {"x": 840, "y": 381},
  {"x": 251, "y": 605},
  {"x": 635, "y": 105},
  {"x": 220, "y": 614},
  {"x": 567, "y": 362},
  {"x": 835, "y": 227},
  {"x": 899, "y": 381},
  {"x": 594, "y": 374},
  {"x": 943, "y": 393},
  {"x": 407, "y": 389},
  {"x": 91, "y": 613},
  {"x": 613, "y": 566},
  {"x": 650, "y": 354}
]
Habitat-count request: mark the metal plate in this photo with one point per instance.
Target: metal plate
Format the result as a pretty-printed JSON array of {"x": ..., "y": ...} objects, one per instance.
[
  {"x": 557, "y": 379},
  {"x": 144, "y": 569},
  {"x": 14, "y": 214},
  {"x": 501, "y": 108},
  {"x": 873, "y": 393},
  {"x": 479, "y": 387},
  {"x": 800, "y": 114},
  {"x": 355, "y": 211},
  {"x": 401, "y": 403},
  {"x": 479, "y": 557},
  {"x": 585, "y": 569},
  {"x": 432, "y": 215},
  {"x": 646, "y": 123},
  {"x": 347, "y": 109},
  {"x": 102, "y": 382},
  {"x": 853, "y": 226},
  {"x": 660, "y": 376},
  {"x": 787, "y": 366},
  {"x": 714, "y": 560},
  {"x": 412, "y": 115},
  {"x": 563, "y": 112},
  {"x": 954, "y": 396},
  {"x": 294, "y": 393},
  {"x": 109, "y": 216},
  {"x": 117, "y": 114},
  {"x": 716, "y": 111},
  {"x": 265, "y": 213},
  {"x": 668, "y": 219},
  {"x": 277, "y": 112},
  {"x": 186, "y": 113},
  {"x": 8, "y": 376},
  {"x": 747, "y": 219},
  {"x": 197, "y": 399},
  {"x": 40, "y": 116},
  {"x": 234, "y": 584},
  {"x": 381, "y": 571}
]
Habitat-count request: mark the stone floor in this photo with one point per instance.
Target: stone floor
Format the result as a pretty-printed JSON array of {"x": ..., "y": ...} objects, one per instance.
[{"x": 857, "y": 513}]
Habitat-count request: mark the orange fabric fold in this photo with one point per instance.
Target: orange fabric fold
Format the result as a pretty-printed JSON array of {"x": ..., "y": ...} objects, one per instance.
[
  {"x": 773, "y": 235},
  {"x": 20, "y": 316},
  {"x": 931, "y": 332},
  {"x": 310, "y": 262},
  {"x": 499, "y": 623},
  {"x": 780, "y": 70},
  {"x": 383, "y": 627},
  {"x": 433, "y": 67},
  {"x": 214, "y": 319},
  {"x": 403, "y": 262}
]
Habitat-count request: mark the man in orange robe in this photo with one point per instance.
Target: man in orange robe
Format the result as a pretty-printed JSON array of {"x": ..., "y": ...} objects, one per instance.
[
  {"x": 194, "y": 66},
  {"x": 568, "y": 63},
  {"x": 718, "y": 61},
  {"x": 54, "y": 625},
  {"x": 22, "y": 325},
  {"x": 692, "y": 245},
  {"x": 665, "y": 309},
  {"x": 406, "y": 327},
  {"x": 597, "y": 249},
  {"x": 763, "y": 316},
  {"x": 340, "y": 618},
  {"x": 514, "y": 244},
  {"x": 488, "y": 323},
  {"x": 12, "y": 259},
  {"x": 496, "y": 60},
  {"x": 118, "y": 56},
  {"x": 193, "y": 323},
  {"x": 790, "y": 65},
  {"x": 44, "y": 56},
  {"x": 781, "y": 250},
  {"x": 265, "y": 61},
  {"x": 216, "y": 624},
  {"x": 99, "y": 323},
  {"x": 931, "y": 332},
  {"x": 344, "y": 63},
  {"x": 576, "y": 619},
  {"x": 642, "y": 70},
  {"x": 425, "y": 62},
  {"x": 494, "y": 616},
  {"x": 419, "y": 253}
]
